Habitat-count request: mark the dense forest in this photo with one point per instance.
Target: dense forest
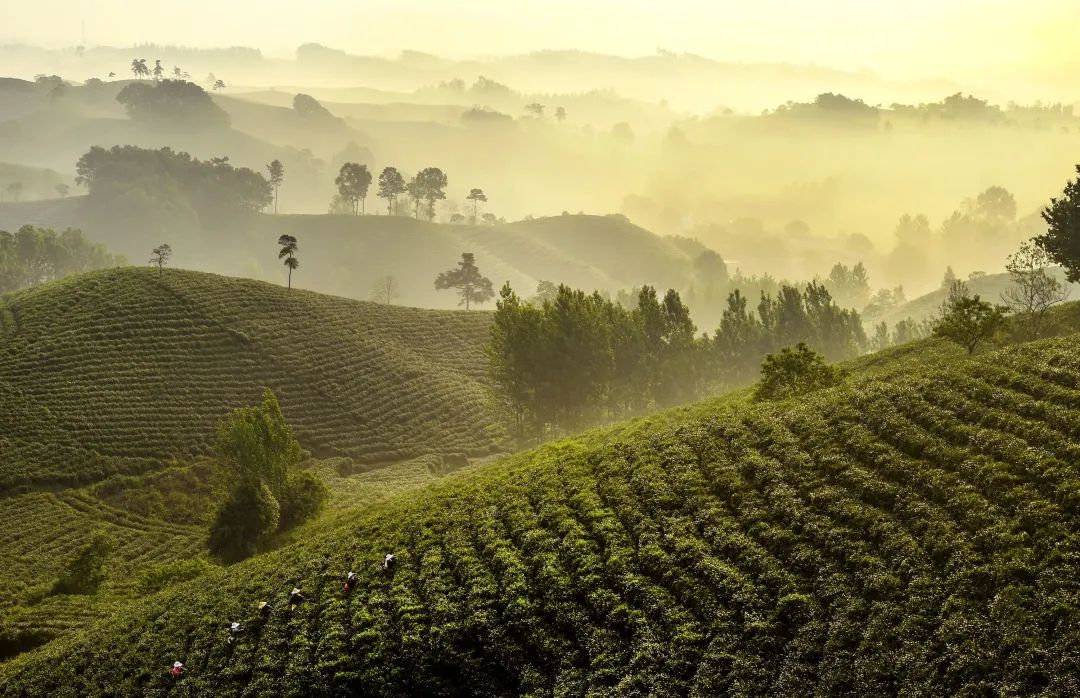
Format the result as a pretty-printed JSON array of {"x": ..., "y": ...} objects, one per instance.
[{"x": 32, "y": 256}]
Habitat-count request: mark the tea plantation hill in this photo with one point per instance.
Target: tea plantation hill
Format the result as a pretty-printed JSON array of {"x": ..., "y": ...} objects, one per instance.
[
  {"x": 913, "y": 531},
  {"x": 122, "y": 370}
]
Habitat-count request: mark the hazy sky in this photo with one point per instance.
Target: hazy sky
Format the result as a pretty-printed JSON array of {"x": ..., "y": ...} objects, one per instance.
[{"x": 903, "y": 39}]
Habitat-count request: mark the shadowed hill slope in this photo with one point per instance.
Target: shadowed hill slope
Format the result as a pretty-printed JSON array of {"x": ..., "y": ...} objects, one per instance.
[
  {"x": 913, "y": 531},
  {"x": 123, "y": 370}
]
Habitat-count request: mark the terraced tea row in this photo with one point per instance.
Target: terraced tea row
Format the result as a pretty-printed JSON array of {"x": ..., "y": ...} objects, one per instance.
[
  {"x": 120, "y": 371},
  {"x": 912, "y": 533}
]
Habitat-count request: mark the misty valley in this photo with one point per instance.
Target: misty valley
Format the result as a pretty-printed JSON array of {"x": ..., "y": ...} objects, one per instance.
[{"x": 503, "y": 369}]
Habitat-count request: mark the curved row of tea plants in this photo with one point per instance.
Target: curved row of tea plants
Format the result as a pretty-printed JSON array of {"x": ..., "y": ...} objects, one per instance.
[{"x": 910, "y": 533}]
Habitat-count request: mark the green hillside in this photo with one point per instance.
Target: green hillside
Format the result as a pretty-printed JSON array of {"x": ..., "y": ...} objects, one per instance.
[
  {"x": 912, "y": 532},
  {"x": 122, "y": 370}
]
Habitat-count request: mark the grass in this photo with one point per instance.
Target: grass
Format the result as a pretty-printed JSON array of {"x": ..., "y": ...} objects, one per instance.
[{"x": 911, "y": 532}]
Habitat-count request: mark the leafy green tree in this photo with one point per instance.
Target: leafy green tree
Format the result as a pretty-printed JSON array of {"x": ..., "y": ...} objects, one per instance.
[
  {"x": 288, "y": 251},
  {"x": 471, "y": 285},
  {"x": 353, "y": 181},
  {"x": 248, "y": 516},
  {"x": 276, "y": 172},
  {"x": 85, "y": 571},
  {"x": 304, "y": 496},
  {"x": 795, "y": 371},
  {"x": 968, "y": 320},
  {"x": 159, "y": 257},
  {"x": 259, "y": 458},
  {"x": 429, "y": 186},
  {"x": 391, "y": 185},
  {"x": 476, "y": 196},
  {"x": 1062, "y": 238},
  {"x": 176, "y": 103},
  {"x": 1034, "y": 290}
]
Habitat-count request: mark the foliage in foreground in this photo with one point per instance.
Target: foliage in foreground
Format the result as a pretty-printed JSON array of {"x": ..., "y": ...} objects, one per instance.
[{"x": 916, "y": 533}]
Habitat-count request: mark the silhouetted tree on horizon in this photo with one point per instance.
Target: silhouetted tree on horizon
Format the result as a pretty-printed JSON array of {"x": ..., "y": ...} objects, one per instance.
[
  {"x": 288, "y": 251},
  {"x": 471, "y": 285}
]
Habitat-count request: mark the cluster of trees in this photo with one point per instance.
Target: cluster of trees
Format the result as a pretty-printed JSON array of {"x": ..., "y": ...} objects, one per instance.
[
  {"x": 579, "y": 358},
  {"x": 790, "y": 316},
  {"x": 266, "y": 490},
  {"x": 32, "y": 256},
  {"x": 426, "y": 188},
  {"x": 135, "y": 183},
  {"x": 172, "y": 102}
]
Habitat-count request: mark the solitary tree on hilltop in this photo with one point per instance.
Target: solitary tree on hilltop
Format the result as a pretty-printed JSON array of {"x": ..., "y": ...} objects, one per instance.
[
  {"x": 385, "y": 290},
  {"x": 159, "y": 257},
  {"x": 391, "y": 185},
  {"x": 352, "y": 182},
  {"x": 470, "y": 284},
  {"x": 277, "y": 175},
  {"x": 288, "y": 252},
  {"x": 475, "y": 196},
  {"x": 219, "y": 85},
  {"x": 968, "y": 320}
]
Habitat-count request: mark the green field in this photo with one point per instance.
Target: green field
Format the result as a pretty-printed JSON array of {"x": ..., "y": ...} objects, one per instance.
[{"x": 913, "y": 531}]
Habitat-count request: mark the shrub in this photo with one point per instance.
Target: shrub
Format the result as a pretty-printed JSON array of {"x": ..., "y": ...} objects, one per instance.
[
  {"x": 795, "y": 371},
  {"x": 86, "y": 570},
  {"x": 243, "y": 522},
  {"x": 304, "y": 496}
]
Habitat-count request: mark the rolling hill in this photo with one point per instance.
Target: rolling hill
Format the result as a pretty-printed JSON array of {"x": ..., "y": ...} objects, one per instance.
[
  {"x": 912, "y": 532},
  {"x": 111, "y": 384},
  {"x": 121, "y": 370}
]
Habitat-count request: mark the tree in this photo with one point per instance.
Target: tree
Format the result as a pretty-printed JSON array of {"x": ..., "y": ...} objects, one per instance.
[
  {"x": 288, "y": 251},
  {"x": 277, "y": 175},
  {"x": 177, "y": 73},
  {"x": 15, "y": 189},
  {"x": 1062, "y": 238},
  {"x": 489, "y": 218},
  {"x": 470, "y": 284},
  {"x": 85, "y": 571},
  {"x": 258, "y": 460},
  {"x": 62, "y": 190},
  {"x": 429, "y": 185},
  {"x": 160, "y": 256},
  {"x": 219, "y": 85},
  {"x": 949, "y": 279},
  {"x": 391, "y": 185},
  {"x": 560, "y": 114},
  {"x": 536, "y": 109},
  {"x": 795, "y": 371},
  {"x": 138, "y": 68},
  {"x": 352, "y": 182},
  {"x": 384, "y": 290},
  {"x": 159, "y": 71},
  {"x": 967, "y": 320},
  {"x": 173, "y": 102},
  {"x": 1034, "y": 290},
  {"x": 476, "y": 196}
]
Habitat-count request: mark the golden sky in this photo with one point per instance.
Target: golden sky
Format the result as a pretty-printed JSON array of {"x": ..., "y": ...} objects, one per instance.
[{"x": 913, "y": 38}]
